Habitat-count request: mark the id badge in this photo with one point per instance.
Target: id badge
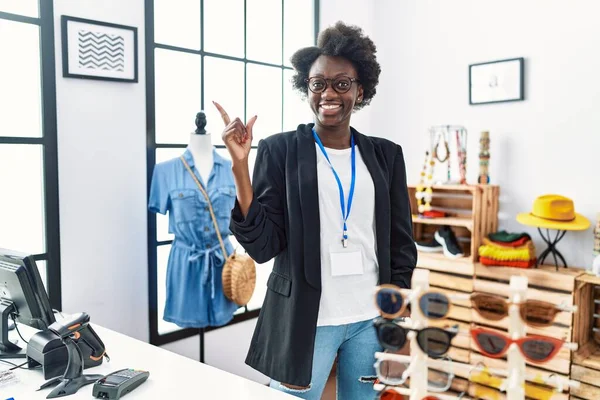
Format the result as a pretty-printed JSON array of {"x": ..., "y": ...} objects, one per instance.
[{"x": 346, "y": 261}]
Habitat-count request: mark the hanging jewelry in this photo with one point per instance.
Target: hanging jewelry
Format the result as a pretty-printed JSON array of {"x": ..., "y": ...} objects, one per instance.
[
  {"x": 424, "y": 192},
  {"x": 441, "y": 137},
  {"x": 461, "y": 147}
]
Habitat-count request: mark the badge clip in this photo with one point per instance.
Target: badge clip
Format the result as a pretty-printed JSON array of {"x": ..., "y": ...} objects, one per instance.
[{"x": 345, "y": 239}]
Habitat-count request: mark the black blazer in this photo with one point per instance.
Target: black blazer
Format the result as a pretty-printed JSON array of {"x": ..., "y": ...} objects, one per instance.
[{"x": 283, "y": 222}]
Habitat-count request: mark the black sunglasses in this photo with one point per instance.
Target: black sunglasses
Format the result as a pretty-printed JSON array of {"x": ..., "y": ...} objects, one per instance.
[
  {"x": 433, "y": 341},
  {"x": 342, "y": 84}
]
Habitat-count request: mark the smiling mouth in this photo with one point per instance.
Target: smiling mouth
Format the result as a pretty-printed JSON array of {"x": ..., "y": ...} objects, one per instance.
[{"x": 330, "y": 106}]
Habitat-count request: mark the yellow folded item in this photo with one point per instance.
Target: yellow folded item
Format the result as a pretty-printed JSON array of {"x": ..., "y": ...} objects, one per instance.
[
  {"x": 524, "y": 253},
  {"x": 488, "y": 242}
]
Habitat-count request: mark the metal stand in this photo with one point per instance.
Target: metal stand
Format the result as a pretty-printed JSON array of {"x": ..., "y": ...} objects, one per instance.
[
  {"x": 73, "y": 378},
  {"x": 202, "y": 345},
  {"x": 7, "y": 348},
  {"x": 551, "y": 249}
]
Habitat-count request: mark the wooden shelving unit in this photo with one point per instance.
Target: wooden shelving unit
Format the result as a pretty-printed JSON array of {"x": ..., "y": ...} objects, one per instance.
[
  {"x": 471, "y": 212},
  {"x": 586, "y": 361}
]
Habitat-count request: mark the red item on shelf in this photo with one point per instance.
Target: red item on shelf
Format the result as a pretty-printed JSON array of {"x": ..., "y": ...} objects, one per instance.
[
  {"x": 490, "y": 262},
  {"x": 516, "y": 243},
  {"x": 433, "y": 214}
]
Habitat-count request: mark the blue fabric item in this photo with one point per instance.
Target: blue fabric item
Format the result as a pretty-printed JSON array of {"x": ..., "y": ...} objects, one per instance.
[
  {"x": 195, "y": 296},
  {"x": 355, "y": 346}
]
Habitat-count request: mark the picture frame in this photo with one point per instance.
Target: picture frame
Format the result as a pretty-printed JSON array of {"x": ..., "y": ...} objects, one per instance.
[
  {"x": 498, "y": 81},
  {"x": 99, "y": 50}
]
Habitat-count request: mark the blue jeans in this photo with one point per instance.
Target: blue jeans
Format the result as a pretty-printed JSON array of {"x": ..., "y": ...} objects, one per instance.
[{"x": 355, "y": 346}]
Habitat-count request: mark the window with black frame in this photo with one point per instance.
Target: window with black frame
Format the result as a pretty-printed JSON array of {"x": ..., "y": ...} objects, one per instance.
[
  {"x": 234, "y": 52},
  {"x": 28, "y": 156}
]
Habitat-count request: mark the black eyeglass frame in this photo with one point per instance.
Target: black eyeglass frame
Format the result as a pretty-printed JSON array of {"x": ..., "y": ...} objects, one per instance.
[{"x": 331, "y": 81}]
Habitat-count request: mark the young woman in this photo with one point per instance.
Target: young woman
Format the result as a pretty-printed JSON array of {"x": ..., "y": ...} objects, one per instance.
[{"x": 331, "y": 206}]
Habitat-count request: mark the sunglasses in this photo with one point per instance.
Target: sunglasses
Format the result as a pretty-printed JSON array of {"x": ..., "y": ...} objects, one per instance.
[
  {"x": 393, "y": 370},
  {"x": 535, "y": 313},
  {"x": 532, "y": 391},
  {"x": 435, "y": 342},
  {"x": 392, "y": 302},
  {"x": 535, "y": 348}
]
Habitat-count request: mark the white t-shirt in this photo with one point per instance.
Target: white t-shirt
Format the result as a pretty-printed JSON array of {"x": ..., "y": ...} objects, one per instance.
[{"x": 350, "y": 298}]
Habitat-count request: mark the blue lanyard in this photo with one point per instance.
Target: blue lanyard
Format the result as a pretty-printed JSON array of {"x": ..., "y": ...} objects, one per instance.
[{"x": 345, "y": 213}]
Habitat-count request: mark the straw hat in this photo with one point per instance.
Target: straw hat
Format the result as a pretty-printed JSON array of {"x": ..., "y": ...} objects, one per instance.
[
  {"x": 553, "y": 211},
  {"x": 239, "y": 278}
]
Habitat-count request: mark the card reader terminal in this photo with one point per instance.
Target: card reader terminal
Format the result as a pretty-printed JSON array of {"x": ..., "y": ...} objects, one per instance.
[{"x": 119, "y": 383}]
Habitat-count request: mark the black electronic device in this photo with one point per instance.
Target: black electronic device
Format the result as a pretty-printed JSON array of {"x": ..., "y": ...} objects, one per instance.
[
  {"x": 119, "y": 383},
  {"x": 22, "y": 297},
  {"x": 73, "y": 379},
  {"x": 47, "y": 349}
]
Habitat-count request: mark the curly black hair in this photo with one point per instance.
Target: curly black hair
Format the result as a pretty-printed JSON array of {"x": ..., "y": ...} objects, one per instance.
[{"x": 343, "y": 41}]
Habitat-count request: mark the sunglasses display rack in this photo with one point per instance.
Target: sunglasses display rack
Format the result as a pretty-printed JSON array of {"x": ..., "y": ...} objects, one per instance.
[
  {"x": 477, "y": 381},
  {"x": 516, "y": 363},
  {"x": 418, "y": 380},
  {"x": 545, "y": 284},
  {"x": 560, "y": 288},
  {"x": 419, "y": 360}
]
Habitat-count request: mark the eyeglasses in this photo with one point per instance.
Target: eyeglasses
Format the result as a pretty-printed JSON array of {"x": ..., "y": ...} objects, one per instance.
[
  {"x": 535, "y": 313},
  {"x": 391, "y": 370},
  {"x": 342, "y": 84},
  {"x": 391, "y": 303},
  {"x": 433, "y": 341},
  {"x": 535, "y": 348}
]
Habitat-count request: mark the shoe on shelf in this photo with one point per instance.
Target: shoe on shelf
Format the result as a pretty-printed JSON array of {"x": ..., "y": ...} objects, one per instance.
[
  {"x": 431, "y": 246},
  {"x": 445, "y": 237}
]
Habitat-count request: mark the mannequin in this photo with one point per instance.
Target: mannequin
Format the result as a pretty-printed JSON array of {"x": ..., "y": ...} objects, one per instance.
[
  {"x": 194, "y": 287},
  {"x": 201, "y": 147}
]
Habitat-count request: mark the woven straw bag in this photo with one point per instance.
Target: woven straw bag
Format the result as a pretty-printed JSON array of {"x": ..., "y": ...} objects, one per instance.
[{"x": 239, "y": 271}]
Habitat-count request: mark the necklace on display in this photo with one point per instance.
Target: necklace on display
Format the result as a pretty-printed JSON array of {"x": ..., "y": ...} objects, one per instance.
[
  {"x": 436, "y": 154},
  {"x": 424, "y": 192}
]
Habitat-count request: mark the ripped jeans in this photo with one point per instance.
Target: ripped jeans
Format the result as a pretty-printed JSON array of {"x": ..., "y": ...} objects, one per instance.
[{"x": 355, "y": 346}]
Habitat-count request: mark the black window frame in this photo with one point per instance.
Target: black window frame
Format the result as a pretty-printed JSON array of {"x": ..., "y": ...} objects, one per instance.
[
  {"x": 48, "y": 141},
  {"x": 151, "y": 146}
]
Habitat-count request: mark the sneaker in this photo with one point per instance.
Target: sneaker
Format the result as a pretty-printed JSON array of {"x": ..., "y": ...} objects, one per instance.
[
  {"x": 445, "y": 237},
  {"x": 429, "y": 247}
]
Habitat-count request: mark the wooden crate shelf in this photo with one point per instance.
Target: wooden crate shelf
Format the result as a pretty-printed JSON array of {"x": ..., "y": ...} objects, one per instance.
[
  {"x": 586, "y": 361},
  {"x": 450, "y": 221},
  {"x": 439, "y": 262},
  {"x": 471, "y": 212}
]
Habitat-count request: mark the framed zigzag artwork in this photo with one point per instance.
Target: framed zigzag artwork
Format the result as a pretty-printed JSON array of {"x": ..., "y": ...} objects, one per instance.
[{"x": 99, "y": 50}]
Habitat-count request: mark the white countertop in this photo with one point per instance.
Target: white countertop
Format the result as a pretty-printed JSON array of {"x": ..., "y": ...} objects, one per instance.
[{"x": 171, "y": 376}]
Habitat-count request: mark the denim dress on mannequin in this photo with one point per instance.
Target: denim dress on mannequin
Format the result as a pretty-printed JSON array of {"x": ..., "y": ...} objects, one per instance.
[{"x": 195, "y": 296}]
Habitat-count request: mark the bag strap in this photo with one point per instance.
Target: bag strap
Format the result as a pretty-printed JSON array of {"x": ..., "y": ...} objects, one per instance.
[{"x": 210, "y": 208}]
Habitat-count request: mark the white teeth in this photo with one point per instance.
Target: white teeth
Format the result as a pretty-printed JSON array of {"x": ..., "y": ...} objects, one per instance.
[{"x": 330, "y": 106}]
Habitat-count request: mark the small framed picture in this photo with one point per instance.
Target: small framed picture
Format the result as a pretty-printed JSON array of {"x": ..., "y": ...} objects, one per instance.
[
  {"x": 99, "y": 50},
  {"x": 496, "y": 81}
]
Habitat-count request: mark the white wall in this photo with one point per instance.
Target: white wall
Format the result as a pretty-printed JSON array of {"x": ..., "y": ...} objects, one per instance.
[
  {"x": 545, "y": 144},
  {"x": 102, "y": 180}
]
